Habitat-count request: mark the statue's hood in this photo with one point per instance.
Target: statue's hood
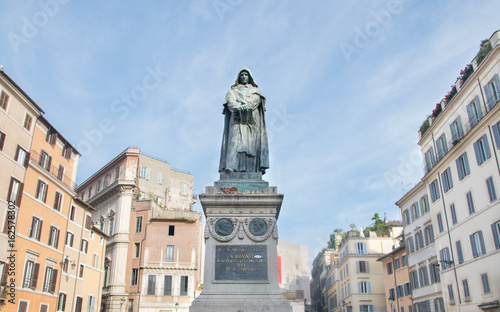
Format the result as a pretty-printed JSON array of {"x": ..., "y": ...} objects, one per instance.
[{"x": 251, "y": 81}]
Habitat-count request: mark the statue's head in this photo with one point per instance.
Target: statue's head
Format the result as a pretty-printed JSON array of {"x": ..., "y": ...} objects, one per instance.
[{"x": 245, "y": 77}]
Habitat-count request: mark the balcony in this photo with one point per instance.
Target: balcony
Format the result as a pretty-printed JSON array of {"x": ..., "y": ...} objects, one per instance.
[{"x": 57, "y": 173}]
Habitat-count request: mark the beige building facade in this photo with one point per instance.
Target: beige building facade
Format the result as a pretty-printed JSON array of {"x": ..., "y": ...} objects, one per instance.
[
  {"x": 153, "y": 254},
  {"x": 460, "y": 144}
]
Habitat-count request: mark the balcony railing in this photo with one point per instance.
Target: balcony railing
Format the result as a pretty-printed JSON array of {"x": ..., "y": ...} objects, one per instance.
[{"x": 53, "y": 170}]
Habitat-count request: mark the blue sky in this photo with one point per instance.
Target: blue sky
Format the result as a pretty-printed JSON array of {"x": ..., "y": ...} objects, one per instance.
[{"x": 348, "y": 84}]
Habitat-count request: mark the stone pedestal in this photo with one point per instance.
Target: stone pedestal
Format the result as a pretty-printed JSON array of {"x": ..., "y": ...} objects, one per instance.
[{"x": 241, "y": 264}]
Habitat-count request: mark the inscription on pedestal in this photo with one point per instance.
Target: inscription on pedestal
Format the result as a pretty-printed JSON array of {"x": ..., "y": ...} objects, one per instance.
[{"x": 241, "y": 263}]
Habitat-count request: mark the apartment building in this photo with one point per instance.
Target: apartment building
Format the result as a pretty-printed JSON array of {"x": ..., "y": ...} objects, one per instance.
[
  {"x": 361, "y": 275},
  {"x": 396, "y": 279},
  {"x": 153, "y": 254},
  {"x": 322, "y": 281},
  {"x": 41, "y": 166},
  {"x": 18, "y": 113},
  {"x": 423, "y": 261},
  {"x": 460, "y": 143}
]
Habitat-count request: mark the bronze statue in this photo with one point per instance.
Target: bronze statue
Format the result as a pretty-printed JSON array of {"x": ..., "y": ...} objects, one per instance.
[{"x": 244, "y": 142}]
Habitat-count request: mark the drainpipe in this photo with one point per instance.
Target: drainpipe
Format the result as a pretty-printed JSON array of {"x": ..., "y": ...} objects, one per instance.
[{"x": 395, "y": 282}]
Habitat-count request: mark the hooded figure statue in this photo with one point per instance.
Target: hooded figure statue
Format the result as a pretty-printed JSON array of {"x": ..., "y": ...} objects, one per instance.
[{"x": 244, "y": 142}]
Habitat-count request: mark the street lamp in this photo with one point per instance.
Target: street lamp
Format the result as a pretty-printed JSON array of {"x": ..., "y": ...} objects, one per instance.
[
  {"x": 390, "y": 302},
  {"x": 176, "y": 306}
]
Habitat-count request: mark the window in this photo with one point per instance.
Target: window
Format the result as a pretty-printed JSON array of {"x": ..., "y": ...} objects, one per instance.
[
  {"x": 133, "y": 277},
  {"x": 90, "y": 192},
  {"x": 66, "y": 153},
  {"x": 445, "y": 258},
  {"x": 53, "y": 236},
  {"x": 462, "y": 166},
  {"x": 23, "y": 306},
  {"x": 138, "y": 224},
  {"x": 440, "y": 223},
  {"x": 69, "y": 239},
  {"x": 470, "y": 203},
  {"x": 90, "y": 304},
  {"x": 36, "y": 228},
  {"x": 457, "y": 131},
  {"x": 61, "y": 302},
  {"x": 171, "y": 230},
  {"x": 442, "y": 147},
  {"x": 419, "y": 240},
  {"x": 58, "y": 201},
  {"x": 65, "y": 266},
  {"x": 360, "y": 249},
  {"x": 423, "y": 274},
  {"x": 4, "y": 100},
  {"x": 167, "y": 285},
  {"x": 424, "y": 204},
  {"x": 80, "y": 271},
  {"x": 72, "y": 213},
  {"x": 429, "y": 235},
  {"x": 49, "y": 284},
  {"x": 27, "y": 122},
  {"x": 130, "y": 305},
  {"x": 60, "y": 173},
  {"x": 15, "y": 191},
  {"x": 453, "y": 213},
  {"x": 460, "y": 254},
  {"x": 117, "y": 173},
  {"x": 364, "y": 287},
  {"x": 477, "y": 244},
  {"x": 21, "y": 156},
  {"x": 389, "y": 268},
  {"x": 492, "y": 92},
  {"x": 105, "y": 181},
  {"x": 415, "y": 212},
  {"x": 434, "y": 272},
  {"x": 41, "y": 191},
  {"x": 495, "y": 228},
  {"x": 414, "y": 279},
  {"x": 430, "y": 161},
  {"x": 486, "y": 284},
  {"x": 151, "y": 284},
  {"x": 491, "y": 189},
  {"x": 44, "y": 307},
  {"x": 144, "y": 172},
  {"x": 366, "y": 308},
  {"x": 159, "y": 200},
  {"x": 160, "y": 177},
  {"x": 397, "y": 264},
  {"x": 399, "y": 291},
  {"x": 45, "y": 161},
  {"x": 170, "y": 254},
  {"x": 406, "y": 217},
  {"x": 2, "y": 140},
  {"x": 447, "y": 180},
  {"x": 95, "y": 260},
  {"x": 434, "y": 188},
  {"x": 363, "y": 267},
  {"x": 84, "y": 246},
  {"x": 184, "y": 286},
  {"x": 474, "y": 112},
  {"x": 98, "y": 186},
  {"x": 184, "y": 188},
  {"x": 407, "y": 289},
  {"x": 450, "y": 294},
  {"x": 78, "y": 304},
  {"x": 137, "y": 249},
  {"x": 465, "y": 284},
  {"x": 404, "y": 262},
  {"x": 31, "y": 274},
  {"x": 410, "y": 246},
  {"x": 51, "y": 137},
  {"x": 482, "y": 149}
]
